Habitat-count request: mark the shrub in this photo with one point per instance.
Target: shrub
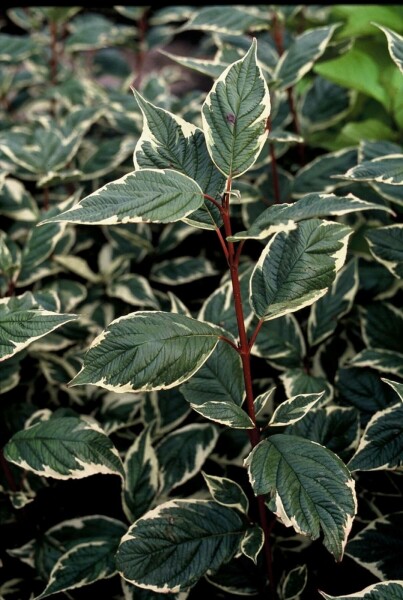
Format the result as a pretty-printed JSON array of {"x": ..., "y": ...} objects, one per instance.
[{"x": 241, "y": 436}]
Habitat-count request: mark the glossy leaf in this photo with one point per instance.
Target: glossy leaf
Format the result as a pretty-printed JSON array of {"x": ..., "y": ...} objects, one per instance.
[
  {"x": 293, "y": 409},
  {"x": 310, "y": 488},
  {"x": 234, "y": 116},
  {"x": 146, "y": 351},
  {"x": 227, "y": 492},
  {"x": 297, "y": 267}
]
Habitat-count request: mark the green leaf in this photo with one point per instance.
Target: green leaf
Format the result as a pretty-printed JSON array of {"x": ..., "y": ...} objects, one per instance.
[
  {"x": 382, "y": 326},
  {"x": 92, "y": 31},
  {"x": 381, "y": 446},
  {"x": 336, "y": 303},
  {"x": 234, "y": 116},
  {"x": 296, "y": 267},
  {"x": 298, "y": 59},
  {"x": 363, "y": 389},
  {"x": 64, "y": 448},
  {"x": 165, "y": 409},
  {"x": 310, "y": 488},
  {"x": 359, "y": 18},
  {"x": 227, "y": 492},
  {"x": 386, "y": 246},
  {"x": 292, "y": 410},
  {"x": 21, "y": 325},
  {"x": 181, "y": 454},
  {"x": 146, "y": 351},
  {"x": 382, "y": 169},
  {"x": 141, "y": 482},
  {"x": 190, "y": 538},
  {"x": 389, "y": 590},
  {"x": 395, "y": 45},
  {"x": 283, "y": 217},
  {"x": 397, "y": 387},
  {"x": 170, "y": 142},
  {"x": 211, "y": 68},
  {"x": 149, "y": 195},
  {"x": 379, "y": 546}
]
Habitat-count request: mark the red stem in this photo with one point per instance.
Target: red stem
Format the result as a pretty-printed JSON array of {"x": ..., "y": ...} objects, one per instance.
[
  {"x": 255, "y": 334},
  {"x": 142, "y": 29},
  {"x": 7, "y": 472},
  {"x": 244, "y": 349}
]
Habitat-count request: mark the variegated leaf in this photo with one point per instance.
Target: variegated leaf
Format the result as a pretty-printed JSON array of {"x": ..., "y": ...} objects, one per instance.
[
  {"x": 148, "y": 195},
  {"x": 141, "y": 481},
  {"x": 170, "y": 142},
  {"x": 146, "y": 351},
  {"x": 190, "y": 538},
  {"x": 281, "y": 343},
  {"x": 385, "y": 361},
  {"x": 296, "y": 267},
  {"x": 133, "y": 289},
  {"x": 227, "y": 492},
  {"x": 64, "y": 448},
  {"x": 336, "y": 303},
  {"x": 388, "y": 590},
  {"x": 379, "y": 546},
  {"x": 293, "y": 409},
  {"x": 283, "y": 217},
  {"x": 395, "y": 45},
  {"x": 252, "y": 542},
  {"x": 226, "y": 19},
  {"x": 381, "y": 445},
  {"x": 310, "y": 488},
  {"x": 196, "y": 442},
  {"x": 234, "y": 116},
  {"x": 386, "y": 246},
  {"x": 177, "y": 271},
  {"x": 298, "y": 381},
  {"x": 317, "y": 176},
  {"x": 382, "y": 169},
  {"x": 21, "y": 323},
  {"x": 298, "y": 59}
]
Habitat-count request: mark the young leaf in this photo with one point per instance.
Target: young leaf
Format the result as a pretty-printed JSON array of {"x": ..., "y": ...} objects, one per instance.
[
  {"x": 294, "y": 583},
  {"x": 234, "y": 116},
  {"x": 149, "y": 195},
  {"x": 292, "y": 410},
  {"x": 190, "y": 538},
  {"x": 297, "y": 267},
  {"x": 146, "y": 351},
  {"x": 196, "y": 442},
  {"x": 386, "y": 246},
  {"x": 20, "y": 325},
  {"x": 381, "y": 446},
  {"x": 64, "y": 448},
  {"x": 389, "y": 590},
  {"x": 252, "y": 542},
  {"x": 227, "y": 492},
  {"x": 310, "y": 488},
  {"x": 133, "y": 289},
  {"x": 379, "y": 546}
]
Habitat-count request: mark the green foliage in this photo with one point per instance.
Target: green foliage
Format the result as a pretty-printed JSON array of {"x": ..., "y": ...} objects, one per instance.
[{"x": 216, "y": 440}]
